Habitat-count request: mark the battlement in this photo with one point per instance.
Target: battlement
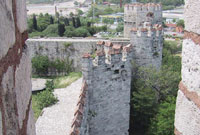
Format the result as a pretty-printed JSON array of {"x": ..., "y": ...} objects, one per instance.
[
  {"x": 108, "y": 53},
  {"x": 147, "y": 30},
  {"x": 143, "y": 7},
  {"x": 81, "y": 111}
]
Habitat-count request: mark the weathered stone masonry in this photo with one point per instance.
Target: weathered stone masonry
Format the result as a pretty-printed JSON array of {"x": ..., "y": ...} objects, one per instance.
[
  {"x": 136, "y": 14},
  {"x": 187, "y": 115},
  {"x": 147, "y": 41},
  {"x": 16, "y": 115},
  {"x": 107, "y": 82}
]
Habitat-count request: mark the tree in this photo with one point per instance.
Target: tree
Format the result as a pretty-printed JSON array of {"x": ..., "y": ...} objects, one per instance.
[
  {"x": 80, "y": 12},
  {"x": 181, "y": 23},
  {"x": 71, "y": 14},
  {"x": 51, "y": 20},
  {"x": 78, "y": 22},
  {"x": 40, "y": 64},
  {"x": 35, "y": 22},
  {"x": 163, "y": 122},
  {"x": 61, "y": 29},
  {"x": 66, "y": 22},
  {"x": 73, "y": 22}
]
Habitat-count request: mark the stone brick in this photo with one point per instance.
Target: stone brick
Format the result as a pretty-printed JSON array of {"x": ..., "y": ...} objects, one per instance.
[
  {"x": 23, "y": 87},
  {"x": 21, "y": 15},
  {"x": 187, "y": 116},
  {"x": 7, "y": 27},
  {"x": 191, "y": 16}
]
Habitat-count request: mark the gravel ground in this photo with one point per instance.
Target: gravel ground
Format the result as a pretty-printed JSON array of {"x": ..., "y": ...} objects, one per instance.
[{"x": 57, "y": 119}]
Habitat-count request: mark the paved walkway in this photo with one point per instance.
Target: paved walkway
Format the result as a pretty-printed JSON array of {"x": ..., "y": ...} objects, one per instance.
[{"x": 57, "y": 119}]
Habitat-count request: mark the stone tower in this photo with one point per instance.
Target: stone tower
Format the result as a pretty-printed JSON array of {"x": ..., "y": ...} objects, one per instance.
[
  {"x": 187, "y": 116},
  {"x": 147, "y": 42},
  {"x": 107, "y": 74},
  {"x": 136, "y": 14},
  {"x": 16, "y": 114}
]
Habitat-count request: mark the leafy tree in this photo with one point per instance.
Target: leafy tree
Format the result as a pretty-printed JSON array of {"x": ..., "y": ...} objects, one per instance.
[
  {"x": 69, "y": 31},
  {"x": 71, "y": 14},
  {"x": 120, "y": 28},
  {"x": 80, "y": 12},
  {"x": 61, "y": 29},
  {"x": 163, "y": 122},
  {"x": 35, "y": 22},
  {"x": 40, "y": 64},
  {"x": 51, "y": 30},
  {"x": 181, "y": 23},
  {"x": 81, "y": 32}
]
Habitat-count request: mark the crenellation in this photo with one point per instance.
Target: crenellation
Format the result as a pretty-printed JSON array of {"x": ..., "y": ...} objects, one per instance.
[
  {"x": 108, "y": 77},
  {"x": 142, "y": 13}
]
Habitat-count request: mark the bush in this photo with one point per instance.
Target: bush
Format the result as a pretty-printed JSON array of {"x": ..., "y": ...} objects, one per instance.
[
  {"x": 45, "y": 99},
  {"x": 51, "y": 30},
  {"x": 40, "y": 64}
]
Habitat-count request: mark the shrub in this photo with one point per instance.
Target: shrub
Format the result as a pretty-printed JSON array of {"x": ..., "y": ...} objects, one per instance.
[
  {"x": 40, "y": 64},
  {"x": 46, "y": 98},
  {"x": 51, "y": 30}
]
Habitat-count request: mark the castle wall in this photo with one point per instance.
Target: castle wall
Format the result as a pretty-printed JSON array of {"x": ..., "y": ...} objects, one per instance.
[
  {"x": 55, "y": 48},
  {"x": 147, "y": 46},
  {"x": 16, "y": 115},
  {"x": 188, "y": 100},
  {"x": 137, "y": 14},
  {"x": 108, "y": 79}
]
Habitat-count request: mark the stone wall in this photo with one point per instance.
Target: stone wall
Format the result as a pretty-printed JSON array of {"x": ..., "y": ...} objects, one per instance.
[
  {"x": 16, "y": 115},
  {"x": 147, "y": 44},
  {"x": 107, "y": 74},
  {"x": 56, "y": 48},
  {"x": 136, "y": 14},
  {"x": 187, "y": 115}
]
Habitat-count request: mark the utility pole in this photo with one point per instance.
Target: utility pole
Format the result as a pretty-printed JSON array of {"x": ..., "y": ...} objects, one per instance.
[{"x": 93, "y": 6}]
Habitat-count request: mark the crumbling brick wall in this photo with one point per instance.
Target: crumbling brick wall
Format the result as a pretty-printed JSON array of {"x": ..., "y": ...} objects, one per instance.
[
  {"x": 187, "y": 115},
  {"x": 16, "y": 115}
]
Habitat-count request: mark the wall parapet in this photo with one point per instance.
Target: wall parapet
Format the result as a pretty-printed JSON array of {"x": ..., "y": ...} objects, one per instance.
[
  {"x": 143, "y": 7},
  {"x": 106, "y": 51},
  {"x": 79, "y": 124}
]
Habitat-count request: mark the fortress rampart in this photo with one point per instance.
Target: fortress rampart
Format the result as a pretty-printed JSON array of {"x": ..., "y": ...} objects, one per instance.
[
  {"x": 107, "y": 75},
  {"x": 187, "y": 115},
  {"x": 147, "y": 44},
  {"x": 136, "y": 14},
  {"x": 16, "y": 115}
]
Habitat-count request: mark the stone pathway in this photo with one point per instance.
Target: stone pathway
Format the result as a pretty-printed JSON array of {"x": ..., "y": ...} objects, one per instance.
[{"x": 57, "y": 119}]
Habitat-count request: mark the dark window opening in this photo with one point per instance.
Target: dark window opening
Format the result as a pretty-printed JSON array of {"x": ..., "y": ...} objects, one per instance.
[
  {"x": 116, "y": 71},
  {"x": 122, "y": 66}
]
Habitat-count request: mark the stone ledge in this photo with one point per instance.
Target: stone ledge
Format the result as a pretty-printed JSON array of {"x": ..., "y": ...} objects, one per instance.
[
  {"x": 193, "y": 96},
  {"x": 176, "y": 132},
  {"x": 193, "y": 36}
]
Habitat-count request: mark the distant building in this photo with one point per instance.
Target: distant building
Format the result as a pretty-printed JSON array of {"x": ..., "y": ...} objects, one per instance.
[{"x": 133, "y": 1}]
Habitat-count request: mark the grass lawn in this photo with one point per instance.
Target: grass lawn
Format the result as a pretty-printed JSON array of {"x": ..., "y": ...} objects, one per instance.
[{"x": 63, "y": 82}]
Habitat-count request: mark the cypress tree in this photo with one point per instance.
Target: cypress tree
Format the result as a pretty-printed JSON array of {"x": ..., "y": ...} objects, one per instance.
[
  {"x": 61, "y": 29},
  {"x": 34, "y": 22},
  {"x": 88, "y": 24},
  {"x": 51, "y": 20},
  {"x": 66, "y": 21},
  {"x": 74, "y": 22},
  {"x": 78, "y": 22}
]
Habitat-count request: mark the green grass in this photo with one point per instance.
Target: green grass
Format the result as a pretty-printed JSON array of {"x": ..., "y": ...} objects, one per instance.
[{"x": 63, "y": 82}]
